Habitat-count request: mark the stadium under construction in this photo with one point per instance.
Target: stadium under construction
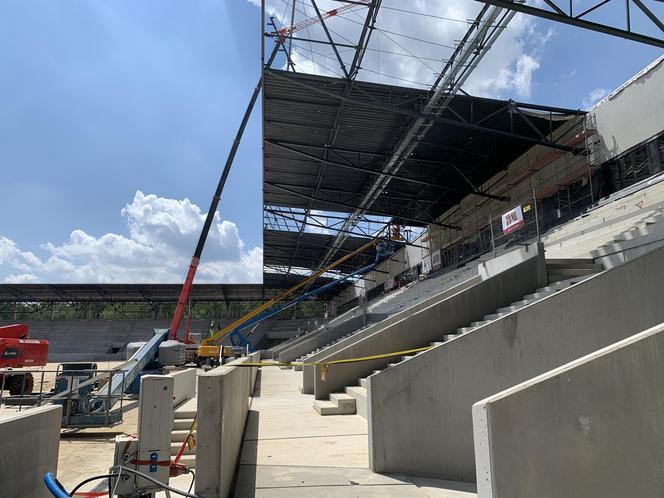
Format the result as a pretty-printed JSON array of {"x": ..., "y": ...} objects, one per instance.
[{"x": 461, "y": 297}]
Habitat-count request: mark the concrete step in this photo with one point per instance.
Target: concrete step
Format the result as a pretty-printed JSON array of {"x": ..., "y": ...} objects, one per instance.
[
  {"x": 297, "y": 368},
  {"x": 182, "y": 424},
  {"x": 187, "y": 410},
  {"x": 363, "y": 382},
  {"x": 434, "y": 344},
  {"x": 564, "y": 273},
  {"x": 566, "y": 262},
  {"x": 359, "y": 393},
  {"x": 175, "y": 447},
  {"x": 508, "y": 309},
  {"x": 339, "y": 404},
  {"x": 539, "y": 295},
  {"x": 494, "y": 316},
  {"x": 178, "y": 436},
  {"x": 449, "y": 337},
  {"x": 189, "y": 461},
  {"x": 465, "y": 330},
  {"x": 479, "y": 323}
]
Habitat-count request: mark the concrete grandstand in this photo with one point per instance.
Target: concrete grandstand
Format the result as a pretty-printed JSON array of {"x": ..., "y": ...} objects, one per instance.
[{"x": 508, "y": 345}]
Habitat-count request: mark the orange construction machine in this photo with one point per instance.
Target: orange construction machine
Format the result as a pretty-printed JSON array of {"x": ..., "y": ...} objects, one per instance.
[{"x": 18, "y": 351}]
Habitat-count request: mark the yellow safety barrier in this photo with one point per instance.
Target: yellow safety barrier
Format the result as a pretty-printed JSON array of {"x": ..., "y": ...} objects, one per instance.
[{"x": 326, "y": 364}]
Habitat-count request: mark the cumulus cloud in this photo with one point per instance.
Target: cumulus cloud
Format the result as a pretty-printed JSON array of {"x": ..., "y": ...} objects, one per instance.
[
  {"x": 593, "y": 97},
  {"x": 410, "y": 50},
  {"x": 161, "y": 234}
]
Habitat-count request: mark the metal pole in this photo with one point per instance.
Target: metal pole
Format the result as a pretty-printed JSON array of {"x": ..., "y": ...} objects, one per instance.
[
  {"x": 536, "y": 216},
  {"x": 493, "y": 242},
  {"x": 590, "y": 177}
]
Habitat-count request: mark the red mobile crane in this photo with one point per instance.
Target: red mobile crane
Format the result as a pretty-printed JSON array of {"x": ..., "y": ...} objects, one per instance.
[
  {"x": 19, "y": 351},
  {"x": 195, "y": 260}
]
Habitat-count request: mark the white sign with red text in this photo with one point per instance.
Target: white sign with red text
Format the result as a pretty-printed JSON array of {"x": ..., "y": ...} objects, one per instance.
[{"x": 512, "y": 219}]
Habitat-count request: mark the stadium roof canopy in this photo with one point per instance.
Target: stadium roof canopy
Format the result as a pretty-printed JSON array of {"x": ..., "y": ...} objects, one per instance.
[
  {"x": 327, "y": 140},
  {"x": 325, "y": 145}
]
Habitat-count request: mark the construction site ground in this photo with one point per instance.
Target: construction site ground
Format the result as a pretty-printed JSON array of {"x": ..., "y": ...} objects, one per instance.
[{"x": 289, "y": 450}]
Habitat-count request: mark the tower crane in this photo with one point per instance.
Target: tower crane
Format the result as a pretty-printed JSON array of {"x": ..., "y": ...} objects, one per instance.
[{"x": 310, "y": 21}]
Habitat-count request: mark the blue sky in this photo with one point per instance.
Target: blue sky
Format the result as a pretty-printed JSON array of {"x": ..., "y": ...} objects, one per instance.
[{"x": 103, "y": 101}]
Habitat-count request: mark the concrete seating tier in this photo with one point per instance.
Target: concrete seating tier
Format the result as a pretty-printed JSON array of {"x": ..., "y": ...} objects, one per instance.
[{"x": 354, "y": 399}]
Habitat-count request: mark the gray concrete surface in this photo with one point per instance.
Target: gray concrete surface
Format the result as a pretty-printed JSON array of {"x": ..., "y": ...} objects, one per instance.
[
  {"x": 430, "y": 324},
  {"x": 590, "y": 428},
  {"x": 315, "y": 341},
  {"x": 309, "y": 372},
  {"x": 223, "y": 405},
  {"x": 625, "y": 117},
  {"x": 291, "y": 451},
  {"x": 420, "y": 410},
  {"x": 29, "y": 445},
  {"x": 184, "y": 385}
]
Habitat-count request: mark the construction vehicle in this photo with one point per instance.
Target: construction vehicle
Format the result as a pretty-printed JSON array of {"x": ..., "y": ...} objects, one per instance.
[
  {"x": 209, "y": 352},
  {"x": 17, "y": 350}
]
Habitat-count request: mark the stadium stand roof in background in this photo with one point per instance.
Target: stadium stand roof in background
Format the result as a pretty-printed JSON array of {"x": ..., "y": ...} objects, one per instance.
[{"x": 78, "y": 293}]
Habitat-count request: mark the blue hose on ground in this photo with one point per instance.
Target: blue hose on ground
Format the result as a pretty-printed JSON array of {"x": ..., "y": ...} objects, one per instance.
[{"x": 54, "y": 486}]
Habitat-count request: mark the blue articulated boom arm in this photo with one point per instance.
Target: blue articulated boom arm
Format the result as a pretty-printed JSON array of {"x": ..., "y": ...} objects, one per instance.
[{"x": 236, "y": 335}]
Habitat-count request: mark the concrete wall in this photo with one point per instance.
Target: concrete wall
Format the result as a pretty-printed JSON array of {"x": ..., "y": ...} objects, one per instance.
[
  {"x": 626, "y": 117},
  {"x": 184, "y": 385},
  {"x": 223, "y": 405},
  {"x": 419, "y": 415},
  {"x": 327, "y": 336},
  {"x": 598, "y": 420},
  {"x": 430, "y": 324},
  {"x": 309, "y": 372},
  {"x": 29, "y": 445},
  {"x": 348, "y": 315}
]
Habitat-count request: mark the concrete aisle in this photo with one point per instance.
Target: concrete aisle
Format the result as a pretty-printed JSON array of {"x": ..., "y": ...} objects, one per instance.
[{"x": 289, "y": 450}]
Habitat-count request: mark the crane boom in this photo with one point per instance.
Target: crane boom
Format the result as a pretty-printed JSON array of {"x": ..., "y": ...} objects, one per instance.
[
  {"x": 195, "y": 260},
  {"x": 310, "y": 21},
  {"x": 229, "y": 328}
]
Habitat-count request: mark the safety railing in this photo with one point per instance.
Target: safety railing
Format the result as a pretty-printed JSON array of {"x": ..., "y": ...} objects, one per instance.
[{"x": 81, "y": 393}]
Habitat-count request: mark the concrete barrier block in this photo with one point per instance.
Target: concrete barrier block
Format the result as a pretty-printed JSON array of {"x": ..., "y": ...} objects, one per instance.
[
  {"x": 184, "y": 385},
  {"x": 223, "y": 405},
  {"x": 29, "y": 446},
  {"x": 591, "y": 428}
]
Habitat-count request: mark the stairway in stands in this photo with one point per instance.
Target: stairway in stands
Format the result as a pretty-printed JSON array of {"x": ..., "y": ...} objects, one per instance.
[
  {"x": 183, "y": 418},
  {"x": 372, "y": 319},
  {"x": 563, "y": 273}
]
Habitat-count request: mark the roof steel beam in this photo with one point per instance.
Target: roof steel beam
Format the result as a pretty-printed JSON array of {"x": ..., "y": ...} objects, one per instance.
[
  {"x": 329, "y": 38},
  {"x": 424, "y": 115},
  {"x": 355, "y": 207},
  {"x": 477, "y": 41},
  {"x": 558, "y": 15}
]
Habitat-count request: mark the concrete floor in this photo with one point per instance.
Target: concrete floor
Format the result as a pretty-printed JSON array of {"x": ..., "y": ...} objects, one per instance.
[{"x": 290, "y": 450}]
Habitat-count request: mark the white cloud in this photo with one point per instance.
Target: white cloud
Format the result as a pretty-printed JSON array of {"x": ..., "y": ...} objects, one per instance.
[
  {"x": 507, "y": 70},
  {"x": 593, "y": 97},
  {"x": 161, "y": 237}
]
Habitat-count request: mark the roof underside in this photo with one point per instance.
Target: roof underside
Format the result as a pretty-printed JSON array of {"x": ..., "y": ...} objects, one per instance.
[
  {"x": 283, "y": 248},
  {"x": 326, "y": 141}
]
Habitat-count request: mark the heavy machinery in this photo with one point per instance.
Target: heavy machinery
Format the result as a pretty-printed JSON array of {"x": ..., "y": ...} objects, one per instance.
[
  {"x": 209, "y": 351},
  {"x": 17, "y": 350}
]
